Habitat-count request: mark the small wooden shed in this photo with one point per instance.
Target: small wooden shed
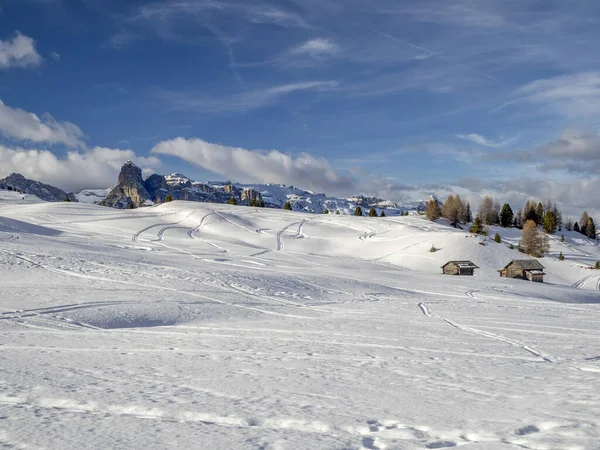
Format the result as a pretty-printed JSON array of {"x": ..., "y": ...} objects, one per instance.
[
  {"x": 459, "y": 268},
  {"x": 525, "y": 269}
]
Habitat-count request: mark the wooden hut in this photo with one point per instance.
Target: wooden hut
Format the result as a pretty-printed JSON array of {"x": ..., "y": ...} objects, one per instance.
[
  {"x": 525, "y": 269},
  {"x": 459, "y": 268}
]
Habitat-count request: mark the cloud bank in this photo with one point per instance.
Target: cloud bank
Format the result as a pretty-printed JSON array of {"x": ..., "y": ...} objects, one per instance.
[
  {"x": 255, "y": 166},
  {"x": 21, "y": 125}
]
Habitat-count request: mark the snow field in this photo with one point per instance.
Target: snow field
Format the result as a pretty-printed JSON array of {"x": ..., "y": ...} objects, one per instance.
[{"x": 191, "y": 325}]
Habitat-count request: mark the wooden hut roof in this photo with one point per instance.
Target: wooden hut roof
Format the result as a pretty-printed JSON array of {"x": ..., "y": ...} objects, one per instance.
[{"x": 526, "y": 264}]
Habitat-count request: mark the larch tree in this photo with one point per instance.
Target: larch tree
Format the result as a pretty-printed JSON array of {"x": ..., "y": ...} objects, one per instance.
[
  {"x": 583, "y": 223},
  {"x": 533, "y": 241},
  {"x": 432, "y": 210},
  {"x": 590, "y": 229}
]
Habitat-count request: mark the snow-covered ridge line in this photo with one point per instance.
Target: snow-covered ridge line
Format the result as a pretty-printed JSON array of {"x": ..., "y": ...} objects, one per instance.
[{"x": 133, "y": 190}]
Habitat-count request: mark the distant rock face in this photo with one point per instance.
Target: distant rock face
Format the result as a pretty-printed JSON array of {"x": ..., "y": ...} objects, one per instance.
[
  {"x": 133, "y": 190},
  {"x": 179, "y": 187},
  {"x": 46, "y": 192},
  {"x": 130, "y": 191}
]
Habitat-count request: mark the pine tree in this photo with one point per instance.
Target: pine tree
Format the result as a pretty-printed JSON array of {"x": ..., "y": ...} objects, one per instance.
[
  {"x": 576, "y": 227},
  {"x": 569, "y": 224},
  {"x": 358, "y": 211},
  {"x": 497, "y": 238},
  {"x": 468, "y": 214},
  {"x": 287, "y": 206},
  {"x": 231, "y": 201},
  {"x": 506, "y": 216},
  {"x": 168, "y": 198},
  {"x": 540, "y": 213},
  {"x": 530, "y": 212},
  {"x": 561, "y": 257},
  {"x": 477, "y": 227},
  {"x": 590, "y": 229},
  {"x": 372, "y": 212},
  {"x": 550, "y": 224},
  {"x": 382, "y": 213}
]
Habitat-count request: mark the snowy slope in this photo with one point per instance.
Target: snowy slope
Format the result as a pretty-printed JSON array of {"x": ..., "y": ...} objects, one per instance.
[
  {"x": 195, "y": 325},
  {"x": 92, "y": 195}
]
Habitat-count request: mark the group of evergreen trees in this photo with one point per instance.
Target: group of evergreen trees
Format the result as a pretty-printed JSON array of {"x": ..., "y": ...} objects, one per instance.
[{"x": 586, "y": 226}]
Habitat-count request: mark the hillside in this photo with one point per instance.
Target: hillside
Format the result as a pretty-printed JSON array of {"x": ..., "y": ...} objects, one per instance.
[{"x": 238, "y": 327}]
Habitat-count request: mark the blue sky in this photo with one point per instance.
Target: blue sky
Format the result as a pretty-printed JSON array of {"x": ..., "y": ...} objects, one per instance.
[{"x": 393, "y": 98}]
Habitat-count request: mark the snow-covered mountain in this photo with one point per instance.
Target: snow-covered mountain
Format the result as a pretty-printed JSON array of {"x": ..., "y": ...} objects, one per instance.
[
  {"x": 133, "y": 190},
  {"x": 17, "y": 182}
]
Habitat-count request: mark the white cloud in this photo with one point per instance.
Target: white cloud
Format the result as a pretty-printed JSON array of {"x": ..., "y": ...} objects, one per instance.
[
  {"x": 481, "y": 140},
  {"x": 21, "y": 125},
  {"x": 316, "y": 47},
  {"x": 19, "y": 52},
  {"x": 258, "y": 166},
  {"x": 575, "y": 95},
  {"x": 247, "y": 100},
  {"x": 94, "y": 168}
]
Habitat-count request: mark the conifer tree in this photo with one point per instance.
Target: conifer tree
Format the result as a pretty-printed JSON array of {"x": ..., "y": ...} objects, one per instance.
[
  {"x": 168, "y": 198},
  {"x": 576, "y": 227},
  {"x": 262, "y": 203},
  {"x": 287, "y": 206},
  {"x": 358, "y": 211},
  {"x": 231, "y": 201},
  {"x": 506, "y": 216},
  {"x": 372, "y": 212},
  {"x": 382, "y": 213},
  {"x": 325, "y": 211},
  {"x": 468, "y": 214},
  {"x": 561, "y": 257},
  {"x": 497, "y": 238},
  {"x": 562, "y": 238},
  {"x": 477, "y": 227},
  {"x": 549, "y": 224},
  {"x": 540, "y": 213}
]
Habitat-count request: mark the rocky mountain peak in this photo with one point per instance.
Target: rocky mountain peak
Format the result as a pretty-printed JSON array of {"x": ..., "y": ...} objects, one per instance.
[
  {"x": 46, "y": 192},
  {"x": 130, "y": 191}
]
